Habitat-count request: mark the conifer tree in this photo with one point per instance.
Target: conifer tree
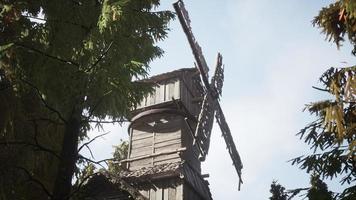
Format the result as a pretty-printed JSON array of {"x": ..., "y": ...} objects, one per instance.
[{"x": 64, "y": 65}]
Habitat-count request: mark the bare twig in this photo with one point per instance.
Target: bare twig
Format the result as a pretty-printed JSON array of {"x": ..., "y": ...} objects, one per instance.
[
  {"x": 48, "y": 55},
  {"x": 100, "y": 57},
  {"x": 90, "y": 141},
  {"x": 43, "y": 100},
  {"x": 324, "y": 90},
  {"x": 91, "y": 153},
  {"x": 97, "y": 162},
  {"x": 93, "y": 108},
  {"x": 38, "y": 182},
  {"x": 108, "y": 122}
]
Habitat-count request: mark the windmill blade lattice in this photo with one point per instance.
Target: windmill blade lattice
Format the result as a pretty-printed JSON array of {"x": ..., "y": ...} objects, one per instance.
[{"x": 210, "y": 105}]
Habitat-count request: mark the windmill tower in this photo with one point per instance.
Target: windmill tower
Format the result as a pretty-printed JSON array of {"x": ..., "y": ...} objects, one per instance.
[{"x": 171, "y": 128}]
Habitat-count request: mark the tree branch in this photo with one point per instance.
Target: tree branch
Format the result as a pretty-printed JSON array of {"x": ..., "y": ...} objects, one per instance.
[
  {"x": 96, "y": 162},
  {"x": 38, "y": 182},
  {"x": 100, "y": 57},
  {"x": 82, "y": 182},
  {"x": 43, "y": 100},
  {"x": 90, "y": 141},
  {"x": 59, "y": 21},
  {"x": 108, "y": 122},
  {"x": 47, "y": 55},
  {"x": 324, "y": 90}
]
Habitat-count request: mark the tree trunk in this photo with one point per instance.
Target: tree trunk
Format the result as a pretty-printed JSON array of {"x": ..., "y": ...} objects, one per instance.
[{"x": 69, "y": 155}]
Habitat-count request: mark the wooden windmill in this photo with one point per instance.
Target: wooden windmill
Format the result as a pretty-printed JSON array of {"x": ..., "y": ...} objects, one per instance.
[
  {"x": 212, "y": 91},
  {"x": 170, "y": 130}
]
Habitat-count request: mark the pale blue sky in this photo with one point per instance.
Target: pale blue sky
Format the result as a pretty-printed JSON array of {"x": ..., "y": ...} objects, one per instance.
[{"x": 272, "y": 57}]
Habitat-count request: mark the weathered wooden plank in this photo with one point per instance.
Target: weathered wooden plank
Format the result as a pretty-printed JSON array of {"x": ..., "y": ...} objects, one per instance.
[
  {"x": 152, "y": 194},
  {"x": 159, "y": 194},
  {"x": 164, "y": 143},
  {"x": 141, "y": 151},
  {"x": 140, "y": 163},
  {"x": 162, "y": 137},
  {"x": 136, "y": 137},
  {"x": 142, "y": 143},
  {"x": 145, "y": 193},
  {"x": 179, "y": 192},
  {"x": 165, "y": 193},
  {"x": 167, "y": 147},
  {"x": 171, "y": 193},
  {"x": 158, "y": 94},
  {"x": 176, "y": 90},
  {"x": 166, "y": 159}
]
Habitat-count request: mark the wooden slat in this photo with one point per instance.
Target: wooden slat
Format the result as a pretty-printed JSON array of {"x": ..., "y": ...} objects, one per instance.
[
  {"x": 142, "y": 143},
  {"x": 167, "y": 147},
  {"x": 159, "y": 194},
  {"x": 152, "y": 194},
  {"x": 171, "y": 193},
  {"x": 176, "y": 90},
  {"x": 161, "y": 137},
  {"x": 136, "y": 137},
  {"x": 165, "y": 193},
  {"x": 141, "y": 151},
  {"x": 140, "y": 163},
  {"x": 174, "y": 144}
]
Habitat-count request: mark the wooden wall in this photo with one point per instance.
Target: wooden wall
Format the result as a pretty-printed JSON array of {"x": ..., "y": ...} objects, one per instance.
[
  {"x": 158, "y": 136},
  {"x": 165, "y": 193},
  {"x": 163, "y": 91},
  {"x": 183, "y": 88}
]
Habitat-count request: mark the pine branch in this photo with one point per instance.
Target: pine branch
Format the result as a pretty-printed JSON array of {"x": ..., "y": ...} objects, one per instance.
[
  {"x": 59, "y": 21},
  {"x": 100, "y": 57},
  {"x": 47, "y": 55}
]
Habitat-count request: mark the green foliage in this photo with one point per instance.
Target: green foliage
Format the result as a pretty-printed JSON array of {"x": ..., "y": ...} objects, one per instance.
[
  {"x": 333, "y": 135},
  {"x": 319, "y": 190},
  {"x": 278, "y": 192},
  {"x": 120, "y": 153},
  {"x": 338, "y": 21},
  {"x": 63, "y": 60}
]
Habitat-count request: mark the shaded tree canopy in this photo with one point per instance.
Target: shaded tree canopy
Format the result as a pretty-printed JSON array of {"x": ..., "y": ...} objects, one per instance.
[
  {"x": 278, "y": 192},
  {"x": 64, "y": 64}
]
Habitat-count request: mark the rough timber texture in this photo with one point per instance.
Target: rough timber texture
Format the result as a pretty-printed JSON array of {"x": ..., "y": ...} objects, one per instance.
[
  {"x": 166, "y": 178},
  {"x": 182, "y": 85},
  {"x": 152, "y": 138},
  {"x": 163, "y": 162}
]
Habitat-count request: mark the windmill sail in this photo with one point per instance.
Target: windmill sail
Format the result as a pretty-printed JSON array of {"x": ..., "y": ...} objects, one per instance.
[
  {"x": 225, "y": 130},
  {"x": 197, "y": 52},
  {"x": 205, "y": 125},
  {"x": 210, "y": 105}
]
